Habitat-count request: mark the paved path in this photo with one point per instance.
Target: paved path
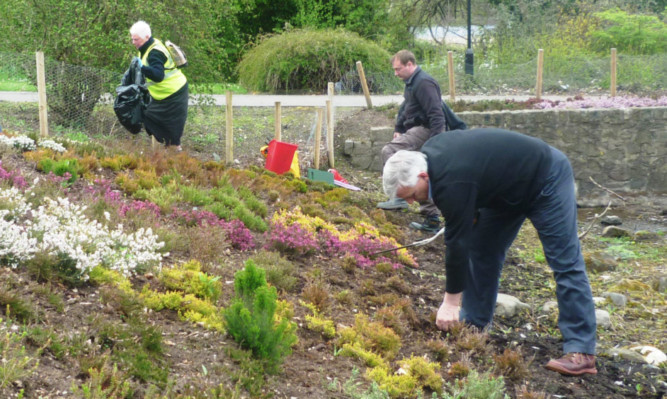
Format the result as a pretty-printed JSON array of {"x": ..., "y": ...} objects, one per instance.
[{"x": 268, "y": 100}]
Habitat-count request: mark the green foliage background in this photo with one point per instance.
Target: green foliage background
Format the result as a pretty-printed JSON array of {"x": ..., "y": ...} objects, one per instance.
[
  {"x": 96, "y": 33},
  {"x": 217, "y": 34}
]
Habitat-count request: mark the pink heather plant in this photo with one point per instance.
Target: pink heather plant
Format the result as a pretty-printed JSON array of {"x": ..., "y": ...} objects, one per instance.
[
  {"x": 139, "y": 206},
  {"x": 297, "y": 240},
  {"x": 609, "y": 102},
  {"x": 238, "y": 234},
  {"x": 358, "y": 242},
  {"x": 14, "y": 178},
  {"x": 291, "y": 239}
]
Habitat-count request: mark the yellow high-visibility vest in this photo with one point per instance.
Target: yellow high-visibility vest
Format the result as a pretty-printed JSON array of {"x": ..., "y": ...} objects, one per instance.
[{"x": 173, "y": 77}]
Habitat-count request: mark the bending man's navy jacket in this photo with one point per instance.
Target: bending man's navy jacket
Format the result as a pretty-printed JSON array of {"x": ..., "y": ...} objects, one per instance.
[{"x": 481, "y": 168}]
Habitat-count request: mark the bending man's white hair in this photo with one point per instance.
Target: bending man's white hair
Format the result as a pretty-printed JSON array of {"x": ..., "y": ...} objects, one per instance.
[
  {"x": 402, "y": 170},
  {"x": 141, "y": 29}
]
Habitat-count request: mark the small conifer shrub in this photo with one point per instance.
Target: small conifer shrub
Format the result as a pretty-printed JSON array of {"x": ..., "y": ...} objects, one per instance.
[{"x": 252, "y": 319}]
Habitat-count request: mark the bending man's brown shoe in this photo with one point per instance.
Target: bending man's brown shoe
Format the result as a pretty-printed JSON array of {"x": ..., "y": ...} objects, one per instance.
[{"x": 573, "y": 364}]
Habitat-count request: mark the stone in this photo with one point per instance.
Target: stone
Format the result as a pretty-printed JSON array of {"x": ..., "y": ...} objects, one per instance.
[
  {"x": 627, "y": 354},
  {"x": 549, "y": 306},
  {"x": 598, "y": 300},
  {"x": 660, "y": 284},
  {"x": 651, "y": 355},
  {"x": 616, "y": 232},
  {"x": 382, "y": 134},
  {"x": 599, "y": 262},
  {"x": 603, "y": 319},
  {"x": 619, "y": 300},
  {"x": 644, "y": 235},
  {"x": 508, "y": 306},
  {"x": 611, "y": 220}
]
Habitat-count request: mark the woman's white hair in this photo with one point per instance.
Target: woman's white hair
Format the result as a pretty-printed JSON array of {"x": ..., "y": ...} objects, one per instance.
[
  {"x": 402, "y": 170},
  {"x": 141, "y": 29}
]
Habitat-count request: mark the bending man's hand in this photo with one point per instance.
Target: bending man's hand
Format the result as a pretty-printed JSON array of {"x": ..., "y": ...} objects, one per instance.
[
  {"x": 138, "y": 61},
  {"x": 448, "y": 314}
]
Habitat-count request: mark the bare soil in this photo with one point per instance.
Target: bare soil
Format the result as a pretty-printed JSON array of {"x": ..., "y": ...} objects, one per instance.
[{"x": 198, "y": 360}]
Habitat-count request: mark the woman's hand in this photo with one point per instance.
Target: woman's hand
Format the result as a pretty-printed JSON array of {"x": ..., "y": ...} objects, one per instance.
[{"x": 448, "y": 314}]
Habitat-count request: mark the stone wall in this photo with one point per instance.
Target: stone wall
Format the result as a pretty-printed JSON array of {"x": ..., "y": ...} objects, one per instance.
[{"x": 624, "y": 150}]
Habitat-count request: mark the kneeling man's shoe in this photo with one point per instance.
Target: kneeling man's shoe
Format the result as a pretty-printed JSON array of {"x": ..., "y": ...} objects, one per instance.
[
  {"x": 394, "y": 203},
  {"x": 573, "y": 364},
  {"x": 430, "y": 223}
]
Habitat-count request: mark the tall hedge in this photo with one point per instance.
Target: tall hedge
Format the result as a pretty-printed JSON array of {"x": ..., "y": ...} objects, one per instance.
[{"x": 306, "y": 60}]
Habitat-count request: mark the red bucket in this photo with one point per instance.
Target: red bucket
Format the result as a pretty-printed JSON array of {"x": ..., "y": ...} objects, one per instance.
[{"x": 279, "y": 157}]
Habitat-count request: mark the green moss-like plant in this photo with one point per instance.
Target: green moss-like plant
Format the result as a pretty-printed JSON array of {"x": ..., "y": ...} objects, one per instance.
[
  {"x": 249, "y": 219},
  {"x": 477, "y": 386},
  {"x": 252, "y": 202},
  {"x": 195, "y": 195},
  {"x": 163, "y": 197},
  {"x": 60, "y": 168},
  {"x": 280, "y": 271}
]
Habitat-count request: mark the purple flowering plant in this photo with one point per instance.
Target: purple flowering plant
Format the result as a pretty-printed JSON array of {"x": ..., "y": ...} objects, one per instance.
[
  {"x": 579, "y": 102},
  {"x": 14, "y": 178},
  {"x": 238, "y": 234},
  {"x": 295, "y": 233}
]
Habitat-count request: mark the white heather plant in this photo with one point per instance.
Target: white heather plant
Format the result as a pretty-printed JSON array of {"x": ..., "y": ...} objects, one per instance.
[
  {"x": 13, "y": 202},
  {"x": 50, "y": 144},
  {"x": 15, "y": 244},
  {"x": 23, "y": 143},
  {"x": 60, "y": 228}
]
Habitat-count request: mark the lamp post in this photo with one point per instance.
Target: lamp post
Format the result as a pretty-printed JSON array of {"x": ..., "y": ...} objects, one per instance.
[{"x": 469, "y": 60}]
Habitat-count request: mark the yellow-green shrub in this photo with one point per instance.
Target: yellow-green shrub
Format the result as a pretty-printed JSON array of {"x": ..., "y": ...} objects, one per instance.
[
  {"x": 318, "y": 323},
  {"x": 189, "y": 278},
  {"x": 371, "y": 336},
  {"x": 416, "y": 373}
]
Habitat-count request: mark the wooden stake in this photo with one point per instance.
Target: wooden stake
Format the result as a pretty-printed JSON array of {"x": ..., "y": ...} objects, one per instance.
[
  {"x": 612, "y": 84},
  {"x": 330, "y": 134},
  {"x": 540, "y": 65},
  {"x": 364, "y": 84},
  {"x": 278, "y": 123},
  {"x": 452, "y": 83},
  {"x": 41, "y": 90},
  {"x": 318, "y": 137},
  {"x": 229, "y": 138},
  {"x": 330, "y": 94}
]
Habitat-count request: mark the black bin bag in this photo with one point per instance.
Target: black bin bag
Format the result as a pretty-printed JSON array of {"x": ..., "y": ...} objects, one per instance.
[{"x": 132, "y": 98}]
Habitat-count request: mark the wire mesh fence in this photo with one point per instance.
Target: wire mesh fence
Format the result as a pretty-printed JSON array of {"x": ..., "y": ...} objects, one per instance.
[
  {"x": 635, "y": 73},
  {"x": 80, "y": 99}
]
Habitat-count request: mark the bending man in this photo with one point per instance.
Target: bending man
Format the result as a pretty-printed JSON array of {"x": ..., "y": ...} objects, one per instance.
[{"x": 486, "y": 182}]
